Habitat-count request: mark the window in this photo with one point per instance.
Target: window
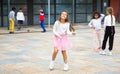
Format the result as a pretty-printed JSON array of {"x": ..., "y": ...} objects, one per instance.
[
  {"x": 60, "y": 8},
  {"x": 64, "y": 1},
  {"x": 80, "y": 8},
  {"x": 43, "y": 1},
  {"x": 18, "y": 1},
  {"x": 83, "y": 10}
]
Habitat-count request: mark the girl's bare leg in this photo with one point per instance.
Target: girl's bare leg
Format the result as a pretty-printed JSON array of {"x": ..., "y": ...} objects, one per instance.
[
  {"x": 51, "y": 66},
  {"x": 66, "y": 67},
  {"x": 54, "y": 53},
  {"x": 64, "y": 56}
]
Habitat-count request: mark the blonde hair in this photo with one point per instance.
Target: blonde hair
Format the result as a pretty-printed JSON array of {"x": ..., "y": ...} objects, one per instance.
[{"x": 110, "y": 10}]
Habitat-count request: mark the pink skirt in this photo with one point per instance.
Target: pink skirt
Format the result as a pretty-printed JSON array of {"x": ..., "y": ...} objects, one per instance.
[{"x": 63, "y": 43}]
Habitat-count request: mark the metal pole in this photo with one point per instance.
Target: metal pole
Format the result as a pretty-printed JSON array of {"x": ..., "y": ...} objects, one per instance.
[
  {"x": 8, "y": 6},
  {"x": 8, "y": 11},
  {"x": 49, "y": 13},
  {"x": 73, "y": 5},
  {"x": 119, "y": 12}
]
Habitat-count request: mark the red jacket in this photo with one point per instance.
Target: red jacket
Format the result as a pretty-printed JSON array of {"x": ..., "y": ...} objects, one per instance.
[{"x": 41, "y": 17}]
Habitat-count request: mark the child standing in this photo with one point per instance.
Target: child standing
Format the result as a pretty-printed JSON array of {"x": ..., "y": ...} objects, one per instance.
[
  {"x": 95, "y": 24},
  {"x": 12, "y": 20},
  {"x": 109, "y": 25},
  {"x": 61, "y": 30},
  {"x": 20, "y": 19},
  {"x": 42, "y": 18}
]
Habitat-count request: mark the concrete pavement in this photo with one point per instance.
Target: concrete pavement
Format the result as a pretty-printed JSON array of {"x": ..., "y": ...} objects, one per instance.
[{"x": 30, "y": 53}]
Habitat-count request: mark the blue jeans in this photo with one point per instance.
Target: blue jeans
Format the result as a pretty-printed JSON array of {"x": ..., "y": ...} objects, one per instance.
[{"x": 42, "y": 25}]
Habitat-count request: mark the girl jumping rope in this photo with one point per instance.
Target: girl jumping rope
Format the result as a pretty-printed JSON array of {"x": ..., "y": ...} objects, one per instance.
[
  {"x": 95, "y": 24},
  {"x": 61, "y": 30},
  {"x": 109, "y": 25}
]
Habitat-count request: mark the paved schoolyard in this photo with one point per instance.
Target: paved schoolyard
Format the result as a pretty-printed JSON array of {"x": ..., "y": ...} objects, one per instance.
[{"x": 30, "y": 53}]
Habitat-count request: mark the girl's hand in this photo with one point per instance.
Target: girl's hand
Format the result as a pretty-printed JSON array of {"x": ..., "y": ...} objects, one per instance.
[
  {"x": 73, "y": 33},
  {"x": 93, "y": 27},
  {"x": 59, "y": 37}
]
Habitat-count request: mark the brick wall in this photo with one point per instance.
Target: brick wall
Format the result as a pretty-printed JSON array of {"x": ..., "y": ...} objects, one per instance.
[{"x": 115, "y": 5}]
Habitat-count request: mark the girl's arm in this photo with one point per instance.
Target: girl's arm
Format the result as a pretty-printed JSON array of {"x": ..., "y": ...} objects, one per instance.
[
  {"x": 17, "y": 16},
  {"x": 23, "y": 17},
  {"x": 102, "y": 16},
  {"x": 68, "y": 29},
  {"x": 90, "y": 24},
  {"x": 54, "y": 29}
]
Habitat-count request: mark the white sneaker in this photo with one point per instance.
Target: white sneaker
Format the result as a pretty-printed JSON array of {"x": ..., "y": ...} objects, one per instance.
[
  {"x": 102, "y": 52},
  {"x": 66, "y": 67},
  {"x": 110, "y": 53},
  {"x": 51, "y": 66}
]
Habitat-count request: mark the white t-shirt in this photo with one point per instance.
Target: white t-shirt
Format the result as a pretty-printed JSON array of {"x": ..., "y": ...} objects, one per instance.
[
  {"x": 20, "y": 16},
  {"x": 107, "y": 21},
  {"x": 96, "y": 22},
  {"x": 60, "y": 29}
]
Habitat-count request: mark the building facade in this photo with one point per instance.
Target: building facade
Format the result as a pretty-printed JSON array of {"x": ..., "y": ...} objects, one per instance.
[
  {"x": 116, "y": 6},
  {"x": 79, "y": 10}
]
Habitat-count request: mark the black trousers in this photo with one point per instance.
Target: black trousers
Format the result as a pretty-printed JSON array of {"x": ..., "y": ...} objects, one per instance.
[{"x": 109, "y": 33}]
